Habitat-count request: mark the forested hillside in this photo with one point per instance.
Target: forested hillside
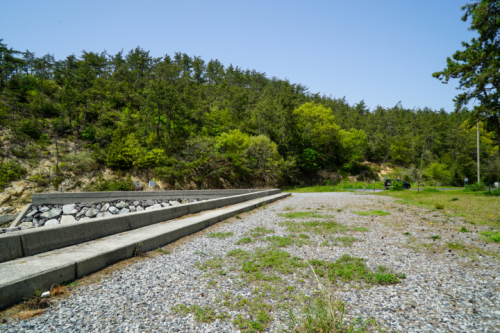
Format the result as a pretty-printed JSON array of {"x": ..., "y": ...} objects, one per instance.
[{"x": 182, "y": 120}]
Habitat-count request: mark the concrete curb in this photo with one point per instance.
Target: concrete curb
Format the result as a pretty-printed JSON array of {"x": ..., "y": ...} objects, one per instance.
[
  {"x": 39, "y": 240},
  {"x": 92, "y": 197},
  {"x": 19, "y": 278}
]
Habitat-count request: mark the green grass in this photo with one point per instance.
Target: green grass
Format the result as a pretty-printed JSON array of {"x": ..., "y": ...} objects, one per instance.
[
  {"x": 72, "y": 284},
  {"x": 280, "y": 241},
  {"x": 245, "y": 240},
  {"x": 491, "y": 236},
  {"x": 474, "y": 206},
  {"x": 322, "y": 314},
  {"x": 435, "y": 237},
  {"x": 204, "y": 314},
  {"x": 407, "y": 233},
  {"x": 260, "y": 231},
  {"x": 335, "y": 188},
  {"x": 349, "y": 268},
  {"x": 319, "y": 227},
  {"x": 303, "y": 215},
  {"x": 373, "y": 213},
  {"x": 345, "y": 241},
  {"x": 464, "y": 229},
  {"x": 162, "y": 251},
  {"x": 220, "y": 235},
  {"x": 315, "y": 227}
]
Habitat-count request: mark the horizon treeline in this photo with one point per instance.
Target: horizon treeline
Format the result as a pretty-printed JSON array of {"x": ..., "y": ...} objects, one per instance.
[{"x": 184, "y": 120}]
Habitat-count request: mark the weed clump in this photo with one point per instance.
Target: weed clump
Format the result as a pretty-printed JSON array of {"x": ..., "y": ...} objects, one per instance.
[
  {"x": 204, "y": 314},
  {"x": 322, "y": 314},
  {"x": 349, "y": 268},
  {"x": 491, "y": 236},
  {"x": 219, "y": 235},
  {"x": 260, "y": 231},
  {"x": 438, "y": 206},
  {"x": 303, "y": 215},
  {"x": 245, "y": 240}
]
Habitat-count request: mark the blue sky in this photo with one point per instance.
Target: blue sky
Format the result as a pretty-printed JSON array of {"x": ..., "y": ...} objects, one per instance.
[{"x": 379, "y": 51}]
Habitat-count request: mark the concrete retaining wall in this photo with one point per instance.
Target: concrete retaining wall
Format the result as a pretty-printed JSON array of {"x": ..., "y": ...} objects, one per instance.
[
  {"x": 91, "y": 197},
  {"x": 34, "y": 241}
]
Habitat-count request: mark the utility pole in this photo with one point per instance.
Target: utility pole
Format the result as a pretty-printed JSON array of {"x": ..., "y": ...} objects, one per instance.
[{"x": 478, "y": 177}]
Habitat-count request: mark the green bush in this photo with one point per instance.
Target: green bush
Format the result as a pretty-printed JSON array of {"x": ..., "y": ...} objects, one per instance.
[
  {"x": 10, "y": 171},
  {"x": 31, "y": 127},
  {"x": 123, "y": 152},
  {"x": 396, "y": 186},
  {"x": 477, "y": 187},
  {"x": 114, "y": 184},
  {"x": 78, "y": 163},
  {"x": 42, "y": 179}
]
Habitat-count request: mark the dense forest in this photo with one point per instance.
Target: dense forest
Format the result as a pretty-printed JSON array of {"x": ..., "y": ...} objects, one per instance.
[{"x": 181, "y": 119}]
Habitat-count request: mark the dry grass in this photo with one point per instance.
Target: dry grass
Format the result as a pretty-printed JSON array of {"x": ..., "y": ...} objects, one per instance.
[{"x": 30, "y": 313}]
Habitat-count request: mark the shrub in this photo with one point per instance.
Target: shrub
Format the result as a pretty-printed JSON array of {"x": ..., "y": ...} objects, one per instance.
[
  {"x": 79, "y": 163},
  {"x": 10, "y": 171},
  {"x": 397, "y": 186},
  {"x": 42, "y": 179},
  {"x": 114, "y": 184},
  {"x": 438, "y": 206},
  {"x": 478, "y": 187},
  {"x": 32, "y": 128},
  {"x": 123, "y": 152}
]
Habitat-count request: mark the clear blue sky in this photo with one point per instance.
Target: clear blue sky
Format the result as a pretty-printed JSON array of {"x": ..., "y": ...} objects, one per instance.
[{"x": 380, "y": 51}]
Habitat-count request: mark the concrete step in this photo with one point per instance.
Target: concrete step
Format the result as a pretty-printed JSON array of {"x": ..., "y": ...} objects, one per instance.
[{"x": 20, "y": 277}]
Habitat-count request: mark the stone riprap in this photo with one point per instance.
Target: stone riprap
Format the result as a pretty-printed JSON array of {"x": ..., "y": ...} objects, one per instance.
[{"x": 46, "y": 215}]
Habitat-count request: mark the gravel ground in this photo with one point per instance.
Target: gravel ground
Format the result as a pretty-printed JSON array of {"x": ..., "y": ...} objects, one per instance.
[{"x": 457, "y": 291}]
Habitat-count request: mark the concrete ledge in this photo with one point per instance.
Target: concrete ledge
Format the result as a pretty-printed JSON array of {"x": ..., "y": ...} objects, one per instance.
[
  {"x": 10, "y": 247},
  {"x": 91, "y": 197},
  {"x": 38, "y": 240},
  {"x": 18, "y": 278}
]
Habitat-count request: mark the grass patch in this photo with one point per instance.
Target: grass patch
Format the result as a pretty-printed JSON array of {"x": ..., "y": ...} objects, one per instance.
[
  {"x": 288, "y": 240},
  {"x": 204, "y": 314},
  {"x": 373, "y": 213},
  {"x": 464, "y": 229},
  {"x": 435, "y": 237},
  {"x": 219, "y": 235},
  {"x": 475, "y": 206},
  {"x": 407, "y": 233},
  {"x": 322, "y": 314},
  {"x": 315, "y": 227},
  {"x": 319, "y": 227},
  {"x": 438, "y": 206},
  {"x": 349, "y": 268},
  {"x": 303, "y": 215},
  {"x": 245, "y": 240},
  {"x": 345, "y": 241},
  {"x": 260, "y": 231},
  {"x": 162, "y": 251},
  {"x": 491, "y": 236}
]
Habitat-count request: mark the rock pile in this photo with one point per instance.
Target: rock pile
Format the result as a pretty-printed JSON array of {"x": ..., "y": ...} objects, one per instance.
[{"x": 46, "y": 215}]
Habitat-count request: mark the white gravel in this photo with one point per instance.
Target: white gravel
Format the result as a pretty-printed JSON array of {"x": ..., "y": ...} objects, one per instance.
[{"x": 443, "y": 292}]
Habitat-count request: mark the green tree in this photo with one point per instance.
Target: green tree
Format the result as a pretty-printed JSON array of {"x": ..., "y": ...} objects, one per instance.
[
  {"x": 477, "y": 67},
  {"x": 437, "y": 171}
]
